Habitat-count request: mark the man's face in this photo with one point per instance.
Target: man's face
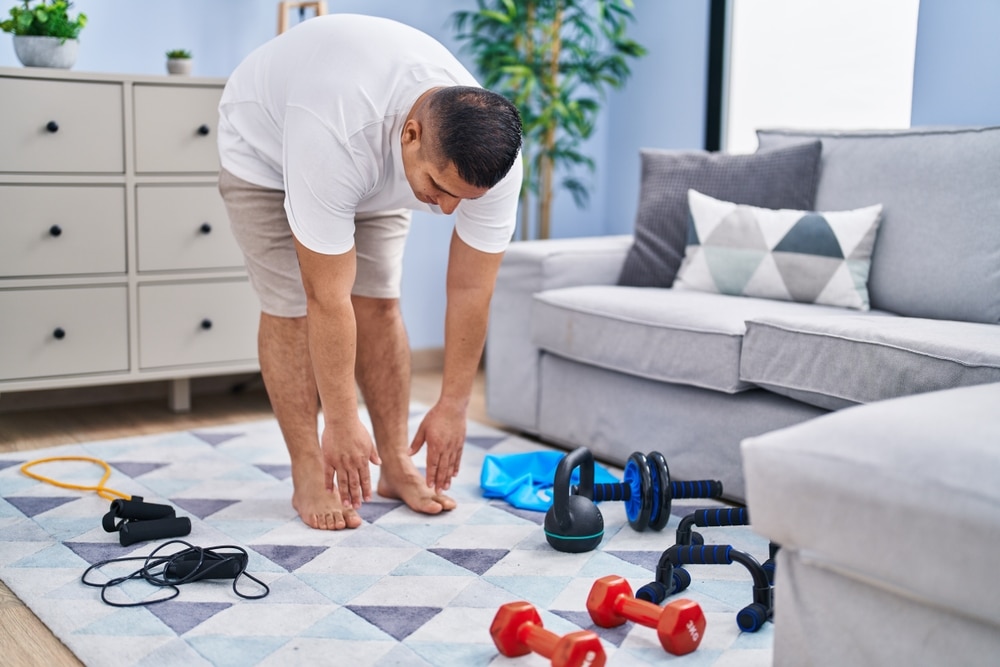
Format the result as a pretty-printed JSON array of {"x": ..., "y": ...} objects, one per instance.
[{"x": 431, "y": 183}]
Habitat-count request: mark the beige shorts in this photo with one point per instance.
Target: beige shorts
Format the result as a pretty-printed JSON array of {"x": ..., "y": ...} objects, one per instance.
[{"x": 258, "y": 220}]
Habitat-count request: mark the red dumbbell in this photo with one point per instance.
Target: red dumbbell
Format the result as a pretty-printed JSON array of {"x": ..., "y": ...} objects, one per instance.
[
  {"x": 680, "y": 625},
  {"x": 517, "y": 630}
]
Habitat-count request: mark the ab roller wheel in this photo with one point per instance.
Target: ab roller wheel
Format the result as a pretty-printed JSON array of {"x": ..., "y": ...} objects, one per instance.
[{"x": 648, "y": 492}]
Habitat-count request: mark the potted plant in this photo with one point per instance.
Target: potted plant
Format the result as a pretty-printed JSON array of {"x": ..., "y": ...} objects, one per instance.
[
  {"x": 554, "y": 59},
  {"x": 179, "y": 61},
  {"x": 44, "y": 34}
]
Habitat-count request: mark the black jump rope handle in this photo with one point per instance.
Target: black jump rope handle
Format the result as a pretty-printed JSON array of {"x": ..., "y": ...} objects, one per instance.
[
  {"x": 200, "y": 564},
  {"x": 135, "y": 509},
  {"x": 155, "y": 529}
]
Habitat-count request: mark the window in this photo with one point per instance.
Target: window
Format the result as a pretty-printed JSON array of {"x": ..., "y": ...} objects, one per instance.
[{"x": 817, "y": 64}]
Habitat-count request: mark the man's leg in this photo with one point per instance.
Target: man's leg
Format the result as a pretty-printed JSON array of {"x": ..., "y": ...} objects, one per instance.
[
  {"x": 383, "y": 373},
  {"x": 261, "y": 228},
  {"x": 283, "y": 345}
]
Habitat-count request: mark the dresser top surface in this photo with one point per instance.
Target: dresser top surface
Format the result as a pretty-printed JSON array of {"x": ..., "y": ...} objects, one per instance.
[{"x": 108, "y": 77}]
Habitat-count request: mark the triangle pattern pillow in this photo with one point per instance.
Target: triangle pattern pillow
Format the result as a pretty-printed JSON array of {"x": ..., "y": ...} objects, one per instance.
[{"x": 804, "y": 256}]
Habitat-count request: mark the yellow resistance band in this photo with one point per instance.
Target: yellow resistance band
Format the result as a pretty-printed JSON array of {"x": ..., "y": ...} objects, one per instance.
[{"x": 102, "y": 491}]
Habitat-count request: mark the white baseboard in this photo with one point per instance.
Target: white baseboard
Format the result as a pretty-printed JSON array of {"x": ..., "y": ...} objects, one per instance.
[{"x": 422, "y": 361}]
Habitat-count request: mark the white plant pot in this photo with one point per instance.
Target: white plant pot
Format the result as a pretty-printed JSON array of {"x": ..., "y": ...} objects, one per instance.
[
  {"x": 179, "y": 65},
  {"x": 35, "y": 51}
]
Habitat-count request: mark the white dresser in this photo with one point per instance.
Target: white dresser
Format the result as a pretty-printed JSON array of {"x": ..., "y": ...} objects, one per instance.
[{"x": 116, "y": 260}]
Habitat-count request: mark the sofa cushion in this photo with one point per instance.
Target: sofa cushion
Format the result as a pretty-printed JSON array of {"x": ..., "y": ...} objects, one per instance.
[
  {"x": 938, "y": 251},
  {"x": 852, "y": 359},
  {"x": 804, "y": 256},
  {"x": 901, "y": 495},
  {"x": 782, "y": 178},
  {"x": 690, "y": 338}
]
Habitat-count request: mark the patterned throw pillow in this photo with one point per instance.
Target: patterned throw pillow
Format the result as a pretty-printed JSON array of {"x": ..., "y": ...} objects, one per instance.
[
  {"x": 785, "y": 177},
  {"x": 804, "y": 256}
]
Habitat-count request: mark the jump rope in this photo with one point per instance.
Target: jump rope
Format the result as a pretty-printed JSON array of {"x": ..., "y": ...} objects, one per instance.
[{"x": 190, "y": 564}]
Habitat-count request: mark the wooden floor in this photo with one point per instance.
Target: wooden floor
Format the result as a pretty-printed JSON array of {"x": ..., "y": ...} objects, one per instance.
[{"x": 24, "y": 640}]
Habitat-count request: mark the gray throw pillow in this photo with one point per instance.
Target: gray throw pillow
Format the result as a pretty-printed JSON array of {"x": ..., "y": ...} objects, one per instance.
[{"x": 781, "y": 178}]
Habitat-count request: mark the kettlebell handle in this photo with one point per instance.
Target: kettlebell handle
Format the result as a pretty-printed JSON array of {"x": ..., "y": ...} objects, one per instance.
[{"x": 582, "y": 458}]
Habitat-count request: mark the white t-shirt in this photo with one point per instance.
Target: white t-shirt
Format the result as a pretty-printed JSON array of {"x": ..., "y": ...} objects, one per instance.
[{"x": 318, "y": 112}]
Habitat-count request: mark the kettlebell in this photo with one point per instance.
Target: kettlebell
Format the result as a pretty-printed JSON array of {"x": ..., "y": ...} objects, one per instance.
[{"x": 574, "y": 523}]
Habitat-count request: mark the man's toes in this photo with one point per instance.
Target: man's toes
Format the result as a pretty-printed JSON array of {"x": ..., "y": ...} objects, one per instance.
[
  {"x": 446, "y": 502},
  {"x": 430, "y": 506}
]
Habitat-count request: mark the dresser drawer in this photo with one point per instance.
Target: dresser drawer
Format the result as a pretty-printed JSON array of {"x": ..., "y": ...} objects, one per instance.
[
  {"x": 175, "y": 128},
  {"x": 65, "y": 331},
  {"x": 61, "y": 230},
  {"x": 182, "y": 324},
  {"x": 61, "y": 127},
  {"x": 184, "y": 227}
]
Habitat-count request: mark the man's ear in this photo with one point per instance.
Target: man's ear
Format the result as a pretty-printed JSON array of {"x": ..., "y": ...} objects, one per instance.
[{"x": 411, "y": 132}]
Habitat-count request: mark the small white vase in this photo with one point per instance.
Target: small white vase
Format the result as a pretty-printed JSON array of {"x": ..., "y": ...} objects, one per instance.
[
  {"x": 35, "y": 51},
  {"x": 179, "y": 65}
]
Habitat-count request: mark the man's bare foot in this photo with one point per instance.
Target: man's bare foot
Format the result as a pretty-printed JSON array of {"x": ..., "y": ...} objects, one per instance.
[
  {"x": 400, "y": 479},
  {"x": 317, "y": 507}
]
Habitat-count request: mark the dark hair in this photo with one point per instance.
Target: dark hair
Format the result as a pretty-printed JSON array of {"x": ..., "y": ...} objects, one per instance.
[{"x": 477, "y": 130}]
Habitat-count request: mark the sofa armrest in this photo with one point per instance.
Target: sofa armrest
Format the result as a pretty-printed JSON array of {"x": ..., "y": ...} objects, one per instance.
[{"x": 530, "y": 267}]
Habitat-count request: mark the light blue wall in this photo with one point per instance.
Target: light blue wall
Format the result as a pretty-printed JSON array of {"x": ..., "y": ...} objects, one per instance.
[
  {"x": 661, "y": 106},
  {"x": 956, "y": 77}
]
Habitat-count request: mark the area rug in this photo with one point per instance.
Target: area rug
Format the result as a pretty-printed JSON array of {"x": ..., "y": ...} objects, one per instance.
[{"x": 403, "y": 589}]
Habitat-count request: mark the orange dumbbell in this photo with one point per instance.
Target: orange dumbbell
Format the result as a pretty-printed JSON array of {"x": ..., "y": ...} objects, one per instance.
[
  {"x": 517, "y": 630},
  {"x": 680, "y": 625}
]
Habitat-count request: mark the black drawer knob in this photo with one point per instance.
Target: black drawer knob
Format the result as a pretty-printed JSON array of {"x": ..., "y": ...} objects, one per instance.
[
  {"x": 59, "y": 333},
  {"x": 206, "y": 324},
  {"x": 204, "y": 130},
  {"x": 55, "y": 230},
  {"x": 205, "y": 228},
  {"x": 52, "y": 126}
]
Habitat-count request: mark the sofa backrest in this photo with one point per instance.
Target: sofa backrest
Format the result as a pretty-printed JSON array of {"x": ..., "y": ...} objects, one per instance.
[{"x": 937, "y": 253}]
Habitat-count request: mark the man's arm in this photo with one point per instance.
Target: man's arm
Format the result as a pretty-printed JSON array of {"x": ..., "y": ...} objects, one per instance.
[
  {"x": 347, "y": 445},
  {"x": 471, "y": 277}
]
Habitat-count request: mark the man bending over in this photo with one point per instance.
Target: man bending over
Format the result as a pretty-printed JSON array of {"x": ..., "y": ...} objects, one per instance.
[{"x": 329, "y": 135}]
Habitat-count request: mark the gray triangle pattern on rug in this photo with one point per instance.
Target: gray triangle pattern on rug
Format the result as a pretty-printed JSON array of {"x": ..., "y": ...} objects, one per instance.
[
  {"x": 646, "y": 559},
  {"x": 530, "y": 515},
  {"x": 215, "y": 439},
  {"x": 582, "y": 619},
  {"x": 10, "y": 464},
  {"x": 137, "y": 468},
  {"x": 485, "y": 441},
  {"x": 474, "y": 560},
  {"x": 202, "y": 507},
  {"x": 288, "y": 556},
  {"x": 34, "y": 505},
  {"x": 376, "y": 509},
  {"x": 390, "y": 621},
  {"x": 183, "y": 616},
  {"x": 280, "y": 471},
  {"x": 96, "y": 552}
]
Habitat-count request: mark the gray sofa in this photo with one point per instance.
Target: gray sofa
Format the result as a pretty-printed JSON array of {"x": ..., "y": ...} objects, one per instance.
[{"x": 574, "y": 357}]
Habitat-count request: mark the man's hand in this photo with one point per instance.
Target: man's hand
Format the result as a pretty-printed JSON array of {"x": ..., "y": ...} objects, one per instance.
[
  {"x": 347, "y": 451},
  {"x": 443, "y": 429}
]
